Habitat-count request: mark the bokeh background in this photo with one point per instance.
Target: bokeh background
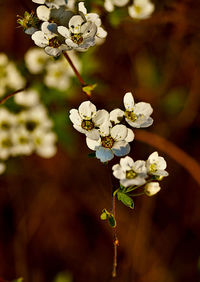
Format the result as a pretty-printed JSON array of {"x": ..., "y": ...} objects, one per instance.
[{"x": 50, "y": 209}]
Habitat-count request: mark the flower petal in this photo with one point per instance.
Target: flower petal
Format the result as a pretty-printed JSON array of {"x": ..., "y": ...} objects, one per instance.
[
  {"x": 93, "y": 144},
  {"x": 93, "y": 134},
  {"x": 140, "y": 167},
  {"x": 75, "y": 117},
  {"x": 143, "y": 108},
  {"x": 104, "y": 129},
  {"x": 126, "y": 163},
  {"x": 116, "y": 116},
  {"x": 43, "y": 13},
  {"x": 104, "y": 155},
  {"x": 135, "y": 181},
  {"x": 64, "y": 31},
  {"x": 118, "y": 172},
  {"x": 129, "y": 101},
  {"x": 119, "y": 132},
  {"x": 130, "y": 136},
  {"x": 87, "y": 110},
  {"x": 123, "y": 150},
  {"x": 100, "y": 117},
  {"x": 40, "y": 39}
]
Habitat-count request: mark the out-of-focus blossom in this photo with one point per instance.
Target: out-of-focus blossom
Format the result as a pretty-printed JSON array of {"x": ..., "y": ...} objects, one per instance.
[
  {"x": 27, "y": 98},
  {"x": 141, "y": 9},
  {"x": 110, "y": 4},
  {"x": 35, "y": 59},
  {"x": 44, "y": 143}
]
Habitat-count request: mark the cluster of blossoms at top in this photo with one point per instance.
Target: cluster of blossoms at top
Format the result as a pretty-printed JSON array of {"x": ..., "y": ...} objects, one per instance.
[
  {"x": 107, "y": 133},
  {"x": 56, "y": 73},
  {"x": 140, "y": 9},
  {"x": 28, "y": 131},
  {"x": 10, "y": 77},
  {"x": 57, "y": 27}
]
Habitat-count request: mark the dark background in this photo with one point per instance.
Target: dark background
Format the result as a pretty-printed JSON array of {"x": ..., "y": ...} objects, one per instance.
[{"x": 50, "y": 209}]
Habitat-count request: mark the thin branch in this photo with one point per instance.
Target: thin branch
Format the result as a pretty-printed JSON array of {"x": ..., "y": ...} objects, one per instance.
[
  {"x": 115, "y": 240},
  {"x": 74, "y": 69},
  {"x": 182, "y": 158},
  {"x": 2, "y": 101}
]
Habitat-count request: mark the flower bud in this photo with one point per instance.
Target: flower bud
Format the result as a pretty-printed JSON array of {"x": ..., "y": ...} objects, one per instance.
[{"x": 152, "y": 188}]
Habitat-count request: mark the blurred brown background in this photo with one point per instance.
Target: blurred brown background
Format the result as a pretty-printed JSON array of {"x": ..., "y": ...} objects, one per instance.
[{"x": 49, "y": 209}]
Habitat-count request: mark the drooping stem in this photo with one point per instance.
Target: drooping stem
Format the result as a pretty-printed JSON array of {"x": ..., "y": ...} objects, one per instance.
[
  {"x": 74, "y": 69},
  {"x": 2, "y": 101}
]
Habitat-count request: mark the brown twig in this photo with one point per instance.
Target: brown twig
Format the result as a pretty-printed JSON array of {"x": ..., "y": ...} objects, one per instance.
[
  {"x": 190, "y": 164},
  {"x": 74, "y": 69},
  {"x": 115, "y": 240},
  {"x": 2, "y": 101}
]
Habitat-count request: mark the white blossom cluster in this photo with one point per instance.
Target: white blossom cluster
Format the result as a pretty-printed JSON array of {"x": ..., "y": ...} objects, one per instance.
[
  {"x": 106, "y": 133},
  {"x": 138, "y": 173},
  {"x": 57, "y": 27},
  {"x": 57, "y": 74},
  {"x": 26, "y": 132},
  {"x": 140, "y": 9},
  {"x": 10, "y": 77}
]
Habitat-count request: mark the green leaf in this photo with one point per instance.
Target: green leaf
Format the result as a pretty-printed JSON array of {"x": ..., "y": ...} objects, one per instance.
[
  {"x": 125, "y": 199},
  {"x": 18, "y": 280},
  {"x": 112, "y": 221},
  {"x": 103, "y": 216},
  {"x": 89, "y": 88}
]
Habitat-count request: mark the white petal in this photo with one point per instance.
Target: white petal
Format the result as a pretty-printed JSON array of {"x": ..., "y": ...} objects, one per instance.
[
  {"x": 140, "y": 167},
  {"x": 43, "y": 13},
  {"x": 79, "y": 129},
  {"x": 89, "y": 30},
  {"x": 108, "y": 5},
  {"x": 104, "y": 129},
  {"x": 119, "y": 132},
  {"x": 130, "y": 136},
  {"x": 126, "y": 163},
  {"x": 64, "y": 31},
  {"x": 75, "y": 117},
  {"x": 39, "y": 1},
  {"x": 93, "y": 134},
  {"x": 134, "y": 181},
  {"x": 143, "y": 108},
  {"x": 75, "y": 24},
  {"x": 101, "y": 33},
  {"x": 87, "y": 110},
  {"x": 124, "y": 150},
  {"x": 55, "y": 52},
  {"x": 118, "y": 172},
  {"x": 152, "y": 188},
  {"x": 120, "y": 3},
  {"x": 104, "y": 154},
  {"x": 93, "y": 144},
  {"x": 129, "y": 101},
  {"x": 160, "y": 173},
  {"x": 81, "y": 8},
  {"x": 100, "y": 117},
  {"x": 116, "y": 116},
  {"x": 40, "y": 39}
]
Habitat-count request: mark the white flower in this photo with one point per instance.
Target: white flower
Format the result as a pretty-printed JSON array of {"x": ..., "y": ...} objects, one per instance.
[
  {"x": 130, "y": 172},
  {"x": 21, "y": 140},
  {"x": 5, "y": 144},
  {"x": 141, "y": 9},
  {"x": 27, "y": 98},
  {"x": 14, "y": 79},
  {"x": 87, "y": 119},
  {"x": 58, "y": 72},
  {"x": 109, "y": 4},
  {"x": 52, "y": 43},
  {"x": 51, "y": 3},
  {"x": 2, "y": 167},
  {"x": 45, "y": 143},
  {"x": 81, "y": 33},
  {"x": 156, "y": 165},
  {"x": 93, "y": 17},
  {"x": 152, "y": 188},
  {"x": 7, "y": 119},
  {"x": 112, "y": 141},
  {"x": 35, "y": 60},
  {"x": 137, "y": 115}
]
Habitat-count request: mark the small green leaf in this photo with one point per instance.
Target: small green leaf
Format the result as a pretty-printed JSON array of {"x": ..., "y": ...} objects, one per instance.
[
  {"x": 89, "y": 88},
  {"x": 125, "y": 199},
  {"x": 112, "y": 221},
  {"x": 92, "y": 155},
  {"x": 103, "y": 216}
]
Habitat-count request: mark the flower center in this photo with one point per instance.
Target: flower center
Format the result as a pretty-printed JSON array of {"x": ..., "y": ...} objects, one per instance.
[
  {"x": 31, "y": 125},
  {"x": 138, "y": 9},
  {"x": 77, "y": 38},
  {"x": 107, "y": 142},
  {"x": 130, "y": 174},
  {"x": 5, "y": 125},
  {"x": 23, "y": 140},
  {"x": 130, "y": 115},
  {"x": 6, "y": 143},
  {"x": 152, "y": 167},
  {"x": 87, "y": 125},
  {"x": 54, "y": 42}
]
